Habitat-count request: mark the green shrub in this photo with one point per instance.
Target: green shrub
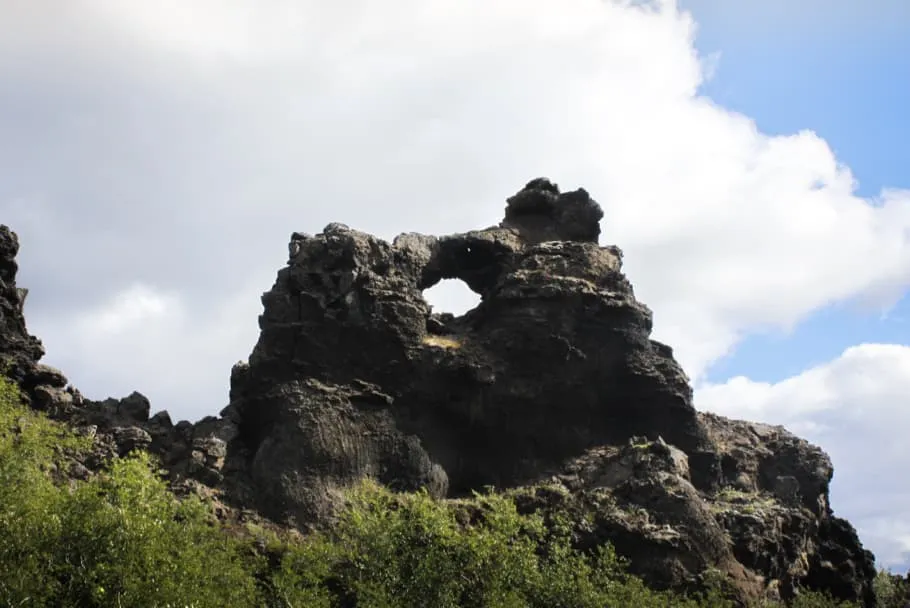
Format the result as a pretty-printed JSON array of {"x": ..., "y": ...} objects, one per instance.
[
  {"x": 890, "y": 590},
  {"x": 405, "y": 551},
  {"x": 126, "y": 540},
  {"x": 120, "y": 539},
  {"x": 123, "y": 539},
  {"x": 815, "y": 599},
  {"x": 30, "y": 504}
]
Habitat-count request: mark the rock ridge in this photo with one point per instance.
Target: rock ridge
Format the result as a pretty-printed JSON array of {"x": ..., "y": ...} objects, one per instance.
[{"x": 551, "y": 386}]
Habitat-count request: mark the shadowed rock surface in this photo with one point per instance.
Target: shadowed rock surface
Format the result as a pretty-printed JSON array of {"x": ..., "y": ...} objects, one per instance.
[{"x": 550, "y": 388}]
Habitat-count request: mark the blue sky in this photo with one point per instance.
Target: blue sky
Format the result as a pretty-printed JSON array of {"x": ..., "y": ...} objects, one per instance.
[
  {"x": 844, "y": 73},
  {"x": 156, "y": 156},
  {"x": 841, "y": 69}
]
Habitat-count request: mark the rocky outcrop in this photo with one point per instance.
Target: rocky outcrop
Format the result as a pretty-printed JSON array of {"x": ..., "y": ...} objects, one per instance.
[
  {"x": 544, "y": 382},
  {"x": 354, "y": 375},
  {"x": 550, "y": 389},
  {"x": 774, "y": 505},
  {"x": 19, "y": 351}
]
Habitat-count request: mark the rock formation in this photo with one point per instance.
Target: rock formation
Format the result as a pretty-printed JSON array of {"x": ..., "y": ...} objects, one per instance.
[{"x": 550, "y": 387}]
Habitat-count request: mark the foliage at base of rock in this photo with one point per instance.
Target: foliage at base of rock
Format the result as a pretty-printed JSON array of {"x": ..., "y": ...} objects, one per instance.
[
  {"x": 123, "y": 539},
  {"x": 120, "y": 539},
  {"x": 892, "y": 590},
  {"x": 390, "y": 550}
]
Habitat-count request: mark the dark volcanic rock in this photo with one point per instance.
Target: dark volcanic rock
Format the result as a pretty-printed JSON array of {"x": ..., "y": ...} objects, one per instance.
[
  {"x": 544, "y": 381},
  {"x": 550, "y": 389},
  {"x": 490, "y": 398},
  {"x": 540, "y": 213},
  {"x": 774, "y": 505},
  {"x": 19, "y": 351}
]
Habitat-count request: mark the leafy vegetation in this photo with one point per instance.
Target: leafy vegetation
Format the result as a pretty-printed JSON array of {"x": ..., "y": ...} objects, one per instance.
[
  {"x": 120, "y": 539},
  {"x": 891, "y": 591},
  {"x": 123, "y": 539},
  {"x": 410, "y": 550}
]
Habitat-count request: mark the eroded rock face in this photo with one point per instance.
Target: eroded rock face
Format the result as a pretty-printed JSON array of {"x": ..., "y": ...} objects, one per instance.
[
  {"x": 490, "y": 398},
  {"x": 774, "y": 505},
  {"x": 19, "y": 350},
  {"x": 545, "y": 381},
  {"x": 551, "y": 389}
]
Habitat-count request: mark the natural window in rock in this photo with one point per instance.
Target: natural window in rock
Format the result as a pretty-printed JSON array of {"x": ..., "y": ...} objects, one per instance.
[{"x": 451, "y": 295}]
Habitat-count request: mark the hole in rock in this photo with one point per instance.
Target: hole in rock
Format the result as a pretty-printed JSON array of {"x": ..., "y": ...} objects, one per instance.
[{"x": 452, "y": 296}]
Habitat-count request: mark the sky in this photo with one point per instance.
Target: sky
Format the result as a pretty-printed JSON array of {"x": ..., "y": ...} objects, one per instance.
[{"x": 750, "y": 157}]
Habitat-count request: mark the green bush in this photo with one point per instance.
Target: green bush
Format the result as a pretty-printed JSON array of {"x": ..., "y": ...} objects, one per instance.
[
  {"x": 890, "y": 590},
  {"x": 120, "y": 539},
  {"x": 123, "y": 539},
  {"x": 403, "y": 551},
  {"x": 819, "y": 600},
  {"x": 30, "y": 503}
]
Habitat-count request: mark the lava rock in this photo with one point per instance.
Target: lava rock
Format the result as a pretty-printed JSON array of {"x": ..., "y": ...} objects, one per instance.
[{"x": 551, "y": 389}]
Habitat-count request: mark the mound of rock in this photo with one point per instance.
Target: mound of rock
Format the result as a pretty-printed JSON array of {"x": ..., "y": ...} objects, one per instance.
[{"x": 551, "y": 388}]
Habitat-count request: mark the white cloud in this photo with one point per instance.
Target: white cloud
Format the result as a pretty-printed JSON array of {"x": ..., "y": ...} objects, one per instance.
[
  {"x": 270, "y": 116},
  {"x": 856, "y": 408},
  {"x": 144, "y": 339},
  {"x": 131, "y": 310}
]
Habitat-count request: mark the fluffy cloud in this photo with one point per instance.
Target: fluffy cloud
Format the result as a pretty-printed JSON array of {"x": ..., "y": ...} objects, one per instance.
[
  {"x": 271, "y": 112},
  {"x": 178, "y": 143},
  {"x": 856, "y": 407},
  {"x": 143, "y": 336}
]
